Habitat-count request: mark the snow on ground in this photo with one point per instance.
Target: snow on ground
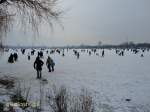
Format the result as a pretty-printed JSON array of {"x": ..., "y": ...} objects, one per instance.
[{"x": 111, "y": 79}]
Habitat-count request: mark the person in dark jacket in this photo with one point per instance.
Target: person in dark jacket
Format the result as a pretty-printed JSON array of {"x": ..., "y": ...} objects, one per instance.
[
  {"x": 50, "y": 64},
  {"x": 15, "y": 56},
  {"x": 11, "y": 58},
  {"x": 103, "y": 53},
  {"x": 28, "y": 56},
  {"x": 38, "y": 63}
]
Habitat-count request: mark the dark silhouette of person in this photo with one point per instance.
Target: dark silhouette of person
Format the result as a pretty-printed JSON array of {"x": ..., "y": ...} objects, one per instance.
[
  {"x": 122, "y": 53},
  {"x": 32, "y": 52},
  {"x": 15, "y": 56},
  {"x": 50, "y": 64},
  {"x": 89, "y": 53},
  {"x": 11, "y": 58},
  {"x": 28, "y": 56},
  {"x": 23, "y": 51},
  {"x": 63, "y": 54},
  {"x": 40, "y": 54},
  {"x": 58, "y": 51},
  {"x": 94, "y": 50},
  {"x": 142, "y": 55},
  {"x": 38, "y": 63},
  {"x": 78, "y": 55},
  {"x": 103, "y": 53}
]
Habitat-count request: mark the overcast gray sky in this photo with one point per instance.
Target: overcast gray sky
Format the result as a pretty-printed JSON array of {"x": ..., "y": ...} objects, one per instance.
[{"x": 90, "y": 21}]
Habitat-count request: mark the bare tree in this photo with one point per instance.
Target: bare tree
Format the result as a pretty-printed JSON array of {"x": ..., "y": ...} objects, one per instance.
[
  {"x": 31, "y": 12},
  {"x": 5, "y": 21}
]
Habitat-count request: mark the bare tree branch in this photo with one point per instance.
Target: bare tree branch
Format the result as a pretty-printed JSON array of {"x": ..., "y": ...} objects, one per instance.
[{"x": 31, "y": 12}]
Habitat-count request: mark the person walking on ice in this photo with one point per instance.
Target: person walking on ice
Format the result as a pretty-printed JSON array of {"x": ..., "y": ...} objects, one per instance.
[
  {"x": 50, "y": 64},
  {"x": 38, "y": 63},
  {"x": 103, "y": 53}
]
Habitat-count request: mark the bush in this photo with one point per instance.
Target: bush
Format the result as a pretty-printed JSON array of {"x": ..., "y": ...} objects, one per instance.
[
  {"x": 18, "y": 98},
  {"x": 60, "y": 101},
  {"x": 20, "y": 101},
  {"x": 1, "y": 107},
  {"x": 82, "y": 103}
]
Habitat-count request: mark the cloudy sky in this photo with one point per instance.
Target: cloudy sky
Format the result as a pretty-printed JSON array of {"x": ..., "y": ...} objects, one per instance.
[{"x": 90, "y": 21}]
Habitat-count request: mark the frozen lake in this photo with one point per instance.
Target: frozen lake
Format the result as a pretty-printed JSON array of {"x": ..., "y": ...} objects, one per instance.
[{"x": 110, "y": 80}]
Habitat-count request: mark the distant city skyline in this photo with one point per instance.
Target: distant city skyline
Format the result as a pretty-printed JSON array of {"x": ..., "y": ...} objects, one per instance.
[{"x": 90, "y": 21}]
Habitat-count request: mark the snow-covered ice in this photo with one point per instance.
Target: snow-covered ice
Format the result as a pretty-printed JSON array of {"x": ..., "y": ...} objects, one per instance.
[{"x": 111, "y": 80}]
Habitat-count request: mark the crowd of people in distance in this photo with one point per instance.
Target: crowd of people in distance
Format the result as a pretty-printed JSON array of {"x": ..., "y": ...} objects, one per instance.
[{"x": 38, "y": 63}]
